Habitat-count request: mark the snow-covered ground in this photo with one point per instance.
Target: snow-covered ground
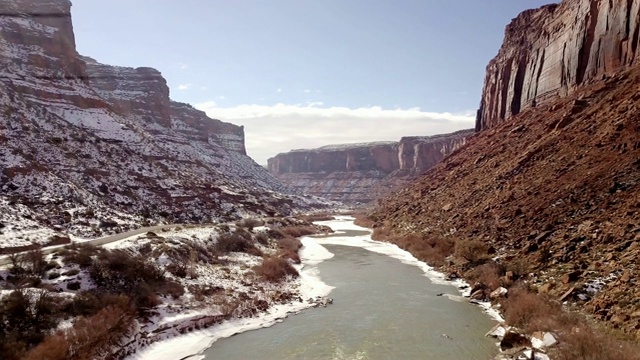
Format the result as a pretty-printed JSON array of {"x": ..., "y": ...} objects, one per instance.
[{"x": 309, "y": 285}]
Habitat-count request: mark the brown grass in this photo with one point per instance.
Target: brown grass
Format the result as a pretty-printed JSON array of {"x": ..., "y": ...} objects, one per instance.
[
  {"x": 474, "y": 251},
  {"x": 275, "y": 269},
  {"x": 428, "y": 249},
  {"x": 585, "y": 344},
  {"x": 488, "y": 274},
  {"x": 532, "y": 312}
]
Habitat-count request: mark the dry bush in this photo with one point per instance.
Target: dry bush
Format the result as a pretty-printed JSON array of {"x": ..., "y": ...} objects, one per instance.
[
  {"x": 262, "y": 238},
  {"x": 173, "y": 289},
  {"x": 289, "y": 248},
  {"x": 532, "y": 312},
  {"x": 316, "y": 217},
  {"x": 24, "y": 320},
  {"x": 585, "y": 344},
  {"x": 363, "y": 220},
  {"x": 238, "y": 241},
  {"x": 249, "y": 224},
  {"x": 275, "y": 269},
  {"x": 177, "y": 269},
  {"x": 298, "y": 231},
  {"x": 474, "y": 251},
  {"x": 381, "y": 233},
  {"x": 428, "y": 249},
  {"x": 488, "y": 274},
  {"x": 80, "y": 254},
  {"x": 89, "y": 338}
]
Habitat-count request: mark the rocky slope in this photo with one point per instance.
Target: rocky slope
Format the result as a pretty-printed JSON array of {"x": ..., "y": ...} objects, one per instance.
[
  {"x": 359, "y": 173},
  {"x": 552, "y": 51},
  {"x": 554, "y": 190},
  {"x": 92, "y": 148}
]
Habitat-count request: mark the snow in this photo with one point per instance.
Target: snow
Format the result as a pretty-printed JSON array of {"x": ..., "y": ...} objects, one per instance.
[
  {"x": 191, "y": 345},
  {"x": 392, "y": 250}
]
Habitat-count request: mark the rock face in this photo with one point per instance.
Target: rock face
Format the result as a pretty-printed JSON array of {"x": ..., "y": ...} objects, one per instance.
[
  {"x": 551, "y": 51},
  {"x": 77, "y": 134},
  {"x": 553, "y": 191},
  {"x": 358, "y": 173}
]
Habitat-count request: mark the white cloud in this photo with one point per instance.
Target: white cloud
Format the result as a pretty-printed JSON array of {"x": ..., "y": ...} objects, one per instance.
[
  {"x": 306, "y": 91},
  {"x": 183, "y": 66},
  {"x": 270, "y": 130},
  {"x": 279, "y": 90},
  {"x": 183, "y": 87}
]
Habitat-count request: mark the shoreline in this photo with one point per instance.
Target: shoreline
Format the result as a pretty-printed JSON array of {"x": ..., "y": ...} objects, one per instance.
[{"x": 190, "y": 346}]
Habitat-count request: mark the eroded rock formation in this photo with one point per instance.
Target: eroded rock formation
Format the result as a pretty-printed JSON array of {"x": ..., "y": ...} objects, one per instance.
[
  {"x": 359, "y": 173},
  {"x": 77, "y": 134},
  {"x": 551, "y": 51}
]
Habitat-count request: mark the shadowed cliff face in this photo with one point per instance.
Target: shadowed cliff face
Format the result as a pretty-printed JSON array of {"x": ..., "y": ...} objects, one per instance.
[
  {"x": 359, "y": 173},
  {"x": 550, "y": 51}
]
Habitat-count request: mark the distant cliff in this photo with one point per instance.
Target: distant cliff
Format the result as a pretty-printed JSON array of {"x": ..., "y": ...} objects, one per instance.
[
  {"x": 550, "y": 51},
  {"x": 359, "y": 173}
]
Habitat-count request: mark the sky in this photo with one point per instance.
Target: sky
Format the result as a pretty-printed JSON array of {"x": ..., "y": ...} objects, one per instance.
[{"x": 302, "y": 73}]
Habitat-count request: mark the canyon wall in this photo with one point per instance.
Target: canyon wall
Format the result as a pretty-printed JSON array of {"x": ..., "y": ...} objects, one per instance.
[
  {"x": 77, "y": 134},
  {"x": 551, "y": 51},
  {"x": 359, "y": 173}
]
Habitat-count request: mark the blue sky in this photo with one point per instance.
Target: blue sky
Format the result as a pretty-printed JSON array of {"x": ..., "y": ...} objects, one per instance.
[{"x": 302, "y": 73}]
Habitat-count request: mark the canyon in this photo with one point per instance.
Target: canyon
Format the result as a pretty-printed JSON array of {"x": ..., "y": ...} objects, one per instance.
[
  {"x": 548, "y": 189},
  {"x": 358, "y": 174},
  {"x": 88, "y": 148}
]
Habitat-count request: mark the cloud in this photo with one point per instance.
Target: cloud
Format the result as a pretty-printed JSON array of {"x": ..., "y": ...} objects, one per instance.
[
  {"x": 183, "y": 87},
  {"x": 183, "y": 66},
  {"x": 270, "y": 130},
  {"x": 306, "y": 90},
  {"x": 279, "y": 90}
]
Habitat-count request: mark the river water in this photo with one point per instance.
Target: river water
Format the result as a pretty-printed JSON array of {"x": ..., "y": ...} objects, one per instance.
[{"x": 383, "y": 308}]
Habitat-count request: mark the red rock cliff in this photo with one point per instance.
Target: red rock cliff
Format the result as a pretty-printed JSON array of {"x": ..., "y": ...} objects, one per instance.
[
  {"x": 357, "y": 173},
  {"x": 550, "y": 51}
]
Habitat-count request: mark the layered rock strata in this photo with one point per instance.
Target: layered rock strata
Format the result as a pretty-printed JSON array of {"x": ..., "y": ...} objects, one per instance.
[
  {"x": 553, "y": 50},
  {"x": 359, "y": 173},
  {"x": 77, "y": 134}
]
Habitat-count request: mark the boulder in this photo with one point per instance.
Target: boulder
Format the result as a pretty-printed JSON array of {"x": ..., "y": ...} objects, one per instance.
[
  {"x": 514, "y": 339},
  {"x": 498, "y": 293}
]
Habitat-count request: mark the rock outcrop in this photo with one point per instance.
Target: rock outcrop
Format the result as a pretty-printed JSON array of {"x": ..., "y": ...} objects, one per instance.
[
  {"x": 551, "y": 191},
  {"x": 359, "y": 173},
  {"x": 552, "y": 51},
  {"x": 77, "y": 134}
]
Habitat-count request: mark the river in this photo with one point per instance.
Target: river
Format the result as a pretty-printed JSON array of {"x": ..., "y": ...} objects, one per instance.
[{"x": 386, "y": 306}]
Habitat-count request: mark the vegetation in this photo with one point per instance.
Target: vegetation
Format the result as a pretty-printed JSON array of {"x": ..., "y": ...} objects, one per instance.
[{"x": 275, "y": 269}]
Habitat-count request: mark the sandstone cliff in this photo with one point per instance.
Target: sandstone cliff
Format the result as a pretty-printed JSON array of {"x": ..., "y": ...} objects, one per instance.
[
  {"x": 84, "y": 144},
  {"x": 359, "y": 173},
  {"x": 547, "y": 193},
  {"x": 551, "y": 51}
]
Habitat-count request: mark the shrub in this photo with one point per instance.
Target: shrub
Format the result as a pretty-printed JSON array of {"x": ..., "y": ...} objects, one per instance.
[
  {"x": 585, "y": 344},
  {"x": 431, "y": 250},
  {"x": 488, "y": 274},
  {"x": 177, "y": 269},
  {"x": 89, "y": 338},
  {"x": 71, "y": 272},
  {"x": 275, "y": 269},
  {"x": 173, "y": 289},
  {"x": 250, "y": 223},
  {"x": 238, "y": 241},
  {"x": 262, "y": 238},
  {"x": 80, "y": 254},
  {"x": 73, "y": 285},
  {"x": 53, "y": 275},
  {"x": 474, "y": 251},
  {"x": 531, "y": 312}
]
